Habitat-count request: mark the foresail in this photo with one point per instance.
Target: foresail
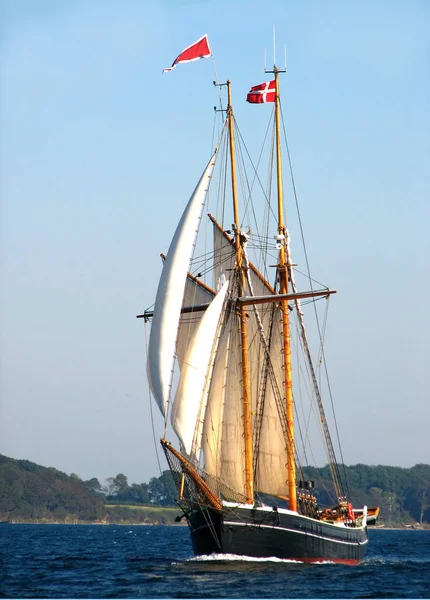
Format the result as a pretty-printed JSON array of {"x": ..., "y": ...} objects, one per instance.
[
  {"x": 195, "y": 370},
  {"x": 167, "y": 311}
]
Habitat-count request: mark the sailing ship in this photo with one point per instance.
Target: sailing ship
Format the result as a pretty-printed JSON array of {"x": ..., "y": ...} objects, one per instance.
[{"x": 228, "y": 323}]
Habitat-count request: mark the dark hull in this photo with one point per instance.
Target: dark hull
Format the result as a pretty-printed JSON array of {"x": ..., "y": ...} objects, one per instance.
[{"x": 258, "y": 532}]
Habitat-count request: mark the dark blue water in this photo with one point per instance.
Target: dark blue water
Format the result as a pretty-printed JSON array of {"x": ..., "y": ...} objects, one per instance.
[{"x": 85, "y": 561}]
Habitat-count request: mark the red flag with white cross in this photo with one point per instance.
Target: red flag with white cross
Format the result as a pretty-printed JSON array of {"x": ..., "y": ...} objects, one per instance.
[{"x": 265, "y": 92}]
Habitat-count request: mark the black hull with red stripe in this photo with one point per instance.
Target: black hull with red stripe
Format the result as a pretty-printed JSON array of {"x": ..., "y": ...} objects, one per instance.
[{"x": 263, "y": 532}]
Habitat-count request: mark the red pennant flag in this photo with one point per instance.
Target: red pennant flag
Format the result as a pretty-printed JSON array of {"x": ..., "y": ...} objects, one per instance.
[
  {"x": 265, "y": 92},
  {"x": 199, "y": 49}
]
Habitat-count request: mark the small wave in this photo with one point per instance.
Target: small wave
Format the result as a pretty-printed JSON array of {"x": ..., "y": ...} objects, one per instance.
[
  {"x": 375, "y": 560},
  {"x": 421, "y": 562},
  {"x": 239, "y": 558}
]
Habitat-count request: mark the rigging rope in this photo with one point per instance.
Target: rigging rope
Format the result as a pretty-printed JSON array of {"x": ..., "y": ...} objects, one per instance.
[
  {"x": 269, "y": 370},
  {"x": 331, "y": 449},
  {"x": 152, "y": 421},
  {"x": 333, "y": 463}
]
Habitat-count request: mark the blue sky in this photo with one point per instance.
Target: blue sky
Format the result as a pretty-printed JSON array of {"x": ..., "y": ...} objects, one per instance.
[{"x": 94, "y": 140}]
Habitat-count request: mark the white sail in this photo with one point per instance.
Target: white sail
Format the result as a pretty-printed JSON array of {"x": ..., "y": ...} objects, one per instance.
[
  {"x": 222, "y": 441},
  {"x": 195, "y": 369},
  {"x": 271, "y": 460},
  {"x": 267, "y": 396},
  {"x": 195, "y": 293},
  {"x": 170, "y": 293},
  {"x": 211, "y": 439},
  {"x": 223, "y": 431},
  {"x": 224, "y": 255},
  {"x": 232, "y": 434}
]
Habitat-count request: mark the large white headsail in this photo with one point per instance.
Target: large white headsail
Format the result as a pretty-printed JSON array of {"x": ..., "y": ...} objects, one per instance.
[
  {"x": 195, "y": 370},
  {"x": 168, "y": 302}
]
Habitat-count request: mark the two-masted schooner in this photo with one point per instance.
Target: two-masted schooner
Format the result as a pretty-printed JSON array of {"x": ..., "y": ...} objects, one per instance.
[{"x": 229, "y": 323}]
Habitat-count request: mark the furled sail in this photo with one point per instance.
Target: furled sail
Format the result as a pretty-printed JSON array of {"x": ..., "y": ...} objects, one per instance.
[
  {"x": 195, "y": 370},
  {"x": 168, "y": 302}
]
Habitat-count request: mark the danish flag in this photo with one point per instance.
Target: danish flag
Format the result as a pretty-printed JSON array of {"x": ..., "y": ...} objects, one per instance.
[
  {"x": 265, "y": 92},
  {"x": 199, "y": 49}
]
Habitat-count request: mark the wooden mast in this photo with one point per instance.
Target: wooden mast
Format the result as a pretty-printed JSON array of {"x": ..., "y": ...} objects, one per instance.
[
  {"x": 246, "y": 382},
  {"x": 283, "y": 289}
]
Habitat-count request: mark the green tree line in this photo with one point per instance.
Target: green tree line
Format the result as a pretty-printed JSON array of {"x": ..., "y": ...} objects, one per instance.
[
  {"x": 31, "y": 492},
  {"x": 403, "y": 495}
]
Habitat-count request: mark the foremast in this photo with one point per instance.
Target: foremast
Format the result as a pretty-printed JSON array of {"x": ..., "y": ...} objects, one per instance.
[
  {"x": 283, "y": 289},
  {"x": 246, "y": 381}
]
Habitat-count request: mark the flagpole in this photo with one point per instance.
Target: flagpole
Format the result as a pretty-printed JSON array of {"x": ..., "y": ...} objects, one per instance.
[
  {"x": 216, "y": 82},
  {"x": 215, "y": 71}
]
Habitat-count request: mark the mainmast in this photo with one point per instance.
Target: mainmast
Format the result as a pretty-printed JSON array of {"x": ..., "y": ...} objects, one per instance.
[
  {"x": 283, "y": 289},
  {"x": 246, "y": 381}
]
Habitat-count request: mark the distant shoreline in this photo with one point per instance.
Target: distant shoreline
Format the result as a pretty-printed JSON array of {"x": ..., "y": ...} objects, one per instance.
[{"x": 181, "y": 524}]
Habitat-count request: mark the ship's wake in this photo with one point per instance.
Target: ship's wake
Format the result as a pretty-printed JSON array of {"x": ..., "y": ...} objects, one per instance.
[{"x": 222, "y": 558}]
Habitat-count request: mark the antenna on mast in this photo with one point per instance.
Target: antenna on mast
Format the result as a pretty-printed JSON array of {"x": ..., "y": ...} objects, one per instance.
[
  {"x": 274, "y": 57},
  {"x": 274, "y": 46}
]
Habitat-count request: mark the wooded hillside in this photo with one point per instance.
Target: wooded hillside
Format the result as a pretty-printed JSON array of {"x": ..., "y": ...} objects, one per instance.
[
  {"x": 30, "y": 492},
  {"x": 403, "y": 495}
]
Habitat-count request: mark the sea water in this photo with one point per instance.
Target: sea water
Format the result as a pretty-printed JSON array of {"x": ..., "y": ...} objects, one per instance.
[{"x": 112, "y": 561}]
